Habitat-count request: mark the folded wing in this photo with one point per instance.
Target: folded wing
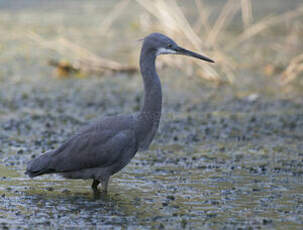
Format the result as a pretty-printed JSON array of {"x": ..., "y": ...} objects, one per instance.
[{"x": 93, "y": 149}]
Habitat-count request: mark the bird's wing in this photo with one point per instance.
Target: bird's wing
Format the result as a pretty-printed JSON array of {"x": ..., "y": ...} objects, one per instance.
[{"x": 93, "y": 148}]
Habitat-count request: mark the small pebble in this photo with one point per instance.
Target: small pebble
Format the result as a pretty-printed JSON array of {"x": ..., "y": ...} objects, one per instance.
[
  {"x": 170, "y": 197},
  {"x": 50, "y": 189}
]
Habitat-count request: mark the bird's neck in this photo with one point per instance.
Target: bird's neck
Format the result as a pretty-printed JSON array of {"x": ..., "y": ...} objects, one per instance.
[
  {"x": 152, "y": 87},
  {"x": 149, "y": 116}
]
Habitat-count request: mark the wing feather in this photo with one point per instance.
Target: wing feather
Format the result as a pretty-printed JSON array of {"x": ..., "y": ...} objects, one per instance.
[{"x": 90, "y": 150}]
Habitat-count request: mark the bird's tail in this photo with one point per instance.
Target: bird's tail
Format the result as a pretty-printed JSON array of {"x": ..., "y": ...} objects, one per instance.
[{"x": 40, "y": 165}]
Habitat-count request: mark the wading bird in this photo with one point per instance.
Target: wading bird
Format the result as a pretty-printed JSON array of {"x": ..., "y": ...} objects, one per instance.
[{"x": 105, "y": 147}]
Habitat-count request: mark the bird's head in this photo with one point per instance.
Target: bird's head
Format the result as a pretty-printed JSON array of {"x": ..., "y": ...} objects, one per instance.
[{"x": 161, "y": 44}]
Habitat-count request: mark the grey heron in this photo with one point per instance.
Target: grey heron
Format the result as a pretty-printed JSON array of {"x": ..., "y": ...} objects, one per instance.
[{"x": 105, "y": 147}]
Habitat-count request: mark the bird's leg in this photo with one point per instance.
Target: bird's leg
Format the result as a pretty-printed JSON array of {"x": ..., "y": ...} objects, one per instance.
[
  {"x": 95, "y": 185},
  {"x": 104, "y": 183}
]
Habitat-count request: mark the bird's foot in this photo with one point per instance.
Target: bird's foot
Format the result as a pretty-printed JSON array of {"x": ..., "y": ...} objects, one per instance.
[
  {"x": 95, "y": 185},
  {"x": 100, "y": 194}
]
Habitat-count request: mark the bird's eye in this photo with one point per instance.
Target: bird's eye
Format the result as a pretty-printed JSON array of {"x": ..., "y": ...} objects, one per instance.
[{"x": 169, "y": 46}]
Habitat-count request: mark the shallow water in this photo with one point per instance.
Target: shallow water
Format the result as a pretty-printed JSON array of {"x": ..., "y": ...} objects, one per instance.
[
  {"x": 219, "y": 160},
  {"x": 230, "y": 164}
]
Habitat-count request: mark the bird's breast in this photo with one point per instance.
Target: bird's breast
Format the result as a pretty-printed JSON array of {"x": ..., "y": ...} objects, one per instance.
[{"x": 146, "y": 129}]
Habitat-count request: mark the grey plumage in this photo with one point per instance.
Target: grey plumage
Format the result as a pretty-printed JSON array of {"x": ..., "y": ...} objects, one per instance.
[{"x": 104, "y": 148}]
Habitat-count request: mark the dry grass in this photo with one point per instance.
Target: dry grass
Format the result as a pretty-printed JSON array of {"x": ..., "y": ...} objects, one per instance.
[
  {"x": 81, "y": 58},
  {"x": 294, "y": 69},
  {"x": 232, "y": 50},
  {"x": 207, "y": 37},
  {"x": 246, "y": 13},
  {"x": 264, "y": 24},
  {"x": 113, "y": 15}
]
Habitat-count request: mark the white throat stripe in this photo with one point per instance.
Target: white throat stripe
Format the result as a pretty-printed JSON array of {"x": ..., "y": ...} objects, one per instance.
[{"x": 165, "y": 51}]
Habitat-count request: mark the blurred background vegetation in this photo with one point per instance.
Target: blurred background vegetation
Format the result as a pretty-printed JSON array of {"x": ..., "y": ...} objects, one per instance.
[{"x": 257, "y": 45}]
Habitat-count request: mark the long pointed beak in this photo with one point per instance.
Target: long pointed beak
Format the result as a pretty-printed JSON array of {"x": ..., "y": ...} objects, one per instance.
[{"x": 182, "y": 51}]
